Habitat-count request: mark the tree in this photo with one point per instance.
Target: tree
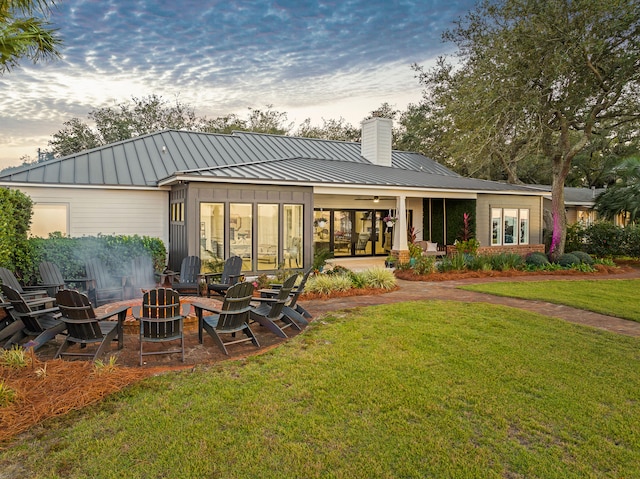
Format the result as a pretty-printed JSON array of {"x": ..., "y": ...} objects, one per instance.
[
  {"x": 75, "y": 136},
  {"x": 538, "y": 79},
  {"x": 24, "y": 35},
  {"x": 339, "y": 130},
  {"x": 623, "y": 197}
]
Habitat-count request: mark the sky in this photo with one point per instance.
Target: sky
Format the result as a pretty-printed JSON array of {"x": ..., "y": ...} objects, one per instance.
[{"x": 310, "y": 59}]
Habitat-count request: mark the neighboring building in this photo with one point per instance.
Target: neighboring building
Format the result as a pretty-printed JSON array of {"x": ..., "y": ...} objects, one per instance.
[
  {"x": 272, "y": 199},
  {"x": 579, "y": 203}
]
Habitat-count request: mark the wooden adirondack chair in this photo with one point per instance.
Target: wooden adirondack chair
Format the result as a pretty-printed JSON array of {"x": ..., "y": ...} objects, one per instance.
[
  {"x": 142, "y": 275},
  {"x": 233, "y": 317},
  {"x": 35, "y": 296},
  {"x": 270, "y": 310},
  {"x": 161, "y": 319},
  {"x": 41, "y": 324},
  {"x": 85, "y": 328},
  {"x": 10, "y": 328},
  {"x": 53, "y": 280},
  {"x": 188, "y": 281},
  {"x": 105, "y": 288},
  {"x": 292, "y": 309},
  {"x": 231, "y": 273}
]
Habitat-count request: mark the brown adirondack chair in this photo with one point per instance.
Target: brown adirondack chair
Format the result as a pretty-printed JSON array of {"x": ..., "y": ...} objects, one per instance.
[
  {"x": 231, "y": 273},
  {"x": 41, "y": 324},
  {"x": 188, "y": 281},
  {"x": 53, "y": 280},
  {"x": 269, "y": 311},
  {"x": 232, "y": 317},
  {"x": 35, "y": 296},
  {"x": 85, "y": 328},
  {"x": 104, "y": 288},
  {"x": 161, "y": 320}
]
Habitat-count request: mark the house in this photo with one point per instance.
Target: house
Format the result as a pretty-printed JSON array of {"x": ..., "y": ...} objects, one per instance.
[
  {"x": 579, "y": 204},
  {"x": 273, "y": 199}
]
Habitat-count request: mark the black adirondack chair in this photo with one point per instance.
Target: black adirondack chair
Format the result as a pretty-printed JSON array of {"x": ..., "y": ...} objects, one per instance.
[
  {"x": 232, "y": 317},
  {"x": 85, "y": 328},
  {"x": 41, "y": 324},
  {"x": 142, "y": 276},
  {"x": 161, "y": 320},
  {"x": 188, "y": 281},
  {"x": 269, "y": 312},
  {"x": 104, "y": 288},
  {"x": 10, "y": 328},
  {"x": 53, "y": 280},
  {"x": 231, "y": 273},
  {"x": 35, "y": 296},
  {"x": 292, "y": 309}
]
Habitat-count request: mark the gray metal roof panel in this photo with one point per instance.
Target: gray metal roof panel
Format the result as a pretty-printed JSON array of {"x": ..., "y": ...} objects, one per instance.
[{"x": 333, "y": 172}]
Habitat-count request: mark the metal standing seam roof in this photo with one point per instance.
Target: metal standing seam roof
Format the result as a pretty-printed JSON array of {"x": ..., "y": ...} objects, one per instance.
[{"x": 153, "y": 159}]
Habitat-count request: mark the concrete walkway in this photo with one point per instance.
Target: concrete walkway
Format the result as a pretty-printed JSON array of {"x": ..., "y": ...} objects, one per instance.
[{"x": 448, "y": 291}]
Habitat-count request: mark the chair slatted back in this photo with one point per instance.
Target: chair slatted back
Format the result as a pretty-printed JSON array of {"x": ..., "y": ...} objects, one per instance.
[
  {"x": 142, "y": 273},
  {"x": 21, "y": 309},
  {"x": 98, "y": 272},
  {"x": 283, "y": 295},
  {"x": 160, "y": 314},
  {"x": 78, "y": 314},
  {"x": 300, "y": 289},
  {"x": 50, "y": 273},
  {"x": 231, "y": 270},
  {"x": 8, "y": 278},
  {"x": 235, "y": 307},
  {"x": 190, "y": 269}
]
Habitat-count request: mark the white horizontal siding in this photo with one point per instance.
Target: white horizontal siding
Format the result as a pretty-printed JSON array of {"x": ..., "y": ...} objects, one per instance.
[{"x": 121, "y": 212}]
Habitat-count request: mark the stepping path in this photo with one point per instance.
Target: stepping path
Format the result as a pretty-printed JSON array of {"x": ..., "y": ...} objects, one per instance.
[{"x": 448, "y": 291}]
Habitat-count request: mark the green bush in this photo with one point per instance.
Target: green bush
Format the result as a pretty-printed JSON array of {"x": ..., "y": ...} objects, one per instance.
[
  {"x": 16, "y": 210},
  {"x": 424, "y": 265},
  {"x": 506, "y": 261},
  {"x": 452, "y": 263},
  {"x": 379, "y": 278},
  {"x": 585, "y": 258},
  {"x": 568, "y": 260},
  {"x": 632, "y": 241},
  {"x": 604, "y": 240},
  {"x": 576, "y": 237},
  {"x": 70, "y": 254},
  {"x": 537, "y": 259},
  {"x": 328, "y": 283},
  {"x": 479, "y": 263}
]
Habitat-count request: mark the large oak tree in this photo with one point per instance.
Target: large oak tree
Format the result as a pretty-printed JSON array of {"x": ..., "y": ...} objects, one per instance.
[{"x": 537, "y": 79}]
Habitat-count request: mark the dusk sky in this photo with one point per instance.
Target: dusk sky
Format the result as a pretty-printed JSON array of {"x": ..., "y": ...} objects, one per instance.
[{"x": 310, "y": 59}]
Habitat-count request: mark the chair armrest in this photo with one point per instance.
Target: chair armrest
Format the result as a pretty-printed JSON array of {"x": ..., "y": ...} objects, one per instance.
[
  {"x": 136, "y": 310},
  {"x": 205, "y": 307},
  {"x": 185, "y": 309},
  {"x": 41, "y": 312},
  {"x": 113, "y": 313},
  {"x": 264, "y": 300}
]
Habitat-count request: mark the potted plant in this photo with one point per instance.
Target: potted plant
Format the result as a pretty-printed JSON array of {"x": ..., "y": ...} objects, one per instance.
[
  {"x": 390, "y": 220},
  {"x": 390, "y": 261},
  {"x": 320, "y": 222}
]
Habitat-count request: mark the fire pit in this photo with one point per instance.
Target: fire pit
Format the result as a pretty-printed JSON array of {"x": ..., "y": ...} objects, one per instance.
[{"x": 131, "y": 324}]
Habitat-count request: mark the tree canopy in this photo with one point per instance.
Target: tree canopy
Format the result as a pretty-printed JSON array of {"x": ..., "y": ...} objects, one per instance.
[
  {"x": 623, "y": 196},
  {"x": 24, "y": 33},
  {"x": 534, "y": 81}
]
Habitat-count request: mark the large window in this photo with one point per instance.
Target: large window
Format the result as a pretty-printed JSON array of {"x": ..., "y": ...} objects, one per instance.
[
  {"x": 49, "y": 218},
  {"x": 509, "y": 226},
  {"x": 241, "y": 232},
  {"x": 267, "y": 237},
  {"x": 293, "y": 244},
  {"x": 212, "y": 231}
]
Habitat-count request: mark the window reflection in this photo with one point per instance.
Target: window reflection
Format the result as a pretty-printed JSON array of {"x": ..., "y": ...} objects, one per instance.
[
  {"x": 267, "y": 237},
  {"x": 240, "y": 233}
]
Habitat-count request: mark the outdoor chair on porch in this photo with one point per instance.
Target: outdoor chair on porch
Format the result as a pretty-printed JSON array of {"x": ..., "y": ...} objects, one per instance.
[
  {"x": 42, "y": 325},
  {"x": 231, "y": 318},
  {"x": 269, "y": 312},
  {"x": 85, "y": 328},
  {"x": 231, "y": 273},
  {"x": 188, "y": 281},
  {"x": 104, "y": 288},
  {"x": 161, "y": 320}
]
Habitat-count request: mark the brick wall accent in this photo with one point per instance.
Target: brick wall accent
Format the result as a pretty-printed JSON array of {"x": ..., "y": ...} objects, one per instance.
[
  {"x": 522, "y": 250},
  {"x": 402, "y": 255}
]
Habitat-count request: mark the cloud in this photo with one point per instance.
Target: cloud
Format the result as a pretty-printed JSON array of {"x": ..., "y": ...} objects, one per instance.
[{"x": 224, "y": 56}]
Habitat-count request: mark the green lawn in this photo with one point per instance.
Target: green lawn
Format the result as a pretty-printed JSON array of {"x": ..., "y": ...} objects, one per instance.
[
  {"x": 410, "y": 390},
  {"x": 615, "y": 297}
]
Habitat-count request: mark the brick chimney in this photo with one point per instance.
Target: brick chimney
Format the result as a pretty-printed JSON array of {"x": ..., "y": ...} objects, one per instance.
[{"x": 376, "y": 141}]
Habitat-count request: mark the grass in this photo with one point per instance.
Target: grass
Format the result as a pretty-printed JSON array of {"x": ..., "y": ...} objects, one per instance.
[
  {"x": 418, "y": 389},
  {"x": 613, "y": 297}
]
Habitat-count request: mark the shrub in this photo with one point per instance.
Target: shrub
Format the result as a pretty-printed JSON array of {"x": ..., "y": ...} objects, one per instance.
[
  {"x": 632, "y": 241},
  {"x": 328, "y": 283},
  {"x": 585, "y": 258},
  {"x": 424, "y": 265},
  {"x": 358, "y": 280},
  {"x": 568, "y": 260},
  {"x": 452, "y": 263},
  {"x": 506, "y": 261},
  {"x": 604, "y": 240},
  {"x": 576, "y": 237},
  {"x": 537, "y": 259},
  {"x": 479, "y": 263},
  {"x": 379, "y": 278},
  {"x": 14, "y": 358}
]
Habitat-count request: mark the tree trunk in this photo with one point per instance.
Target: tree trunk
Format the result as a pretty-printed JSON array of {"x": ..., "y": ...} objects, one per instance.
[{"x": 559, "y": 227}]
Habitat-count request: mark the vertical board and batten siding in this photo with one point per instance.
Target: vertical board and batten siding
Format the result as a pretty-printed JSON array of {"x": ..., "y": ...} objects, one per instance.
[
  {"x": 220, "y": 193},
  {"x": 483, "y": 215},
  {"x": 100, "y": 211}
]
